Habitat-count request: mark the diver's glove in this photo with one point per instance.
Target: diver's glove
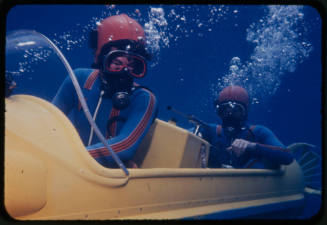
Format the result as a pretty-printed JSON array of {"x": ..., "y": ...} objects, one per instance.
[{"x": 239, "y": 146}]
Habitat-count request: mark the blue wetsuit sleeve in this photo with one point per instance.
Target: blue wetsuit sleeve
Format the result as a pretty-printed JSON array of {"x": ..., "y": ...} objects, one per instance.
[
  {"x": 142, "y": 114},
  {"x": 65, "y": 97},
  {"x": 270, "y": 148},
  {"x": 208, "y": 132}
]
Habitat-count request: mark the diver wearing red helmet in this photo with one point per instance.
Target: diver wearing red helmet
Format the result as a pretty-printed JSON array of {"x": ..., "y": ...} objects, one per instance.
[
  {"x": 122, "y": 109},
  {"x": 237, "y": 144}
]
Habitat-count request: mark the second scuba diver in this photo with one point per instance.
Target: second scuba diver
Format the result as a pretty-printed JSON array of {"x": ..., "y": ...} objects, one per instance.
[{"x": 236, "y": 143}]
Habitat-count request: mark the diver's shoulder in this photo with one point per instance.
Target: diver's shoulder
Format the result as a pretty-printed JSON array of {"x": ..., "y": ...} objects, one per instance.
[
  {"x": 142, "y": 91},
  {"x": 83, "y": 74},
  {"x": 83, "y": 71},
  {"x": 259, "y": 128}
]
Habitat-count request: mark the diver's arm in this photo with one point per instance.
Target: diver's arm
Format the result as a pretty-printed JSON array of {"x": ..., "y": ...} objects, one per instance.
[
  {"x": 270, "y": 148},
  {"x": 141, "y": 116}
]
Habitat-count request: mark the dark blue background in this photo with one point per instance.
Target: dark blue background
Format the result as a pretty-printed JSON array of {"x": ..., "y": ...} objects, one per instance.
[{"x": 293, "y": 112}]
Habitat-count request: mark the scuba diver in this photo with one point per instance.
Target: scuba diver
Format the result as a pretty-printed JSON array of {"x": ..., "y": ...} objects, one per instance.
[
  {"x": 237, "y": 144},
  {"x": 122, "y": 109}
]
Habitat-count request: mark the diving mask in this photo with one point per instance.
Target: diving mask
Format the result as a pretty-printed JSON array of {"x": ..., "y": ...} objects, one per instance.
[
  {"x": 231, "y": 109},
  {"x": 119, "y": 61}
]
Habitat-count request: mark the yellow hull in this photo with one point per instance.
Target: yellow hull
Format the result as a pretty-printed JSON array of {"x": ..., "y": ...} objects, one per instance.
[{"x": 50, "y": 175}]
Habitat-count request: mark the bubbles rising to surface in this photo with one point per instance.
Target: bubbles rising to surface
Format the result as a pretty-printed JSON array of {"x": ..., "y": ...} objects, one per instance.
[
  {"x": 279, "y": 46},
  {"x": 156, "y": 32},
  {"x": 164, "y": 26},
  {"x": 277, "y": 38}
]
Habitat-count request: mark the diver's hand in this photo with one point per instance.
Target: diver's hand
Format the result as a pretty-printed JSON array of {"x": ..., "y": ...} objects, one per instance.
[{"x": 240, "y": 145}]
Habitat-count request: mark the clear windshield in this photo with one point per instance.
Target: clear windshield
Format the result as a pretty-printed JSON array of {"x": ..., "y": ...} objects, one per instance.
[
  {"x": 33, "y": 64},
  {"x": 26, "y": 46}
]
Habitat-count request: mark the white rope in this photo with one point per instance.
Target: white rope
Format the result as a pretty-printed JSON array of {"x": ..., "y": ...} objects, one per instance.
[{"x": 95, "y": 116}]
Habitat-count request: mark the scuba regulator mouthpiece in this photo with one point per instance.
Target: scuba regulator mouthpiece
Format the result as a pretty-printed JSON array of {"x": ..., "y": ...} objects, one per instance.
[
  {"x": 118, "y": 87},
  {"x": 120, "y": 100}
]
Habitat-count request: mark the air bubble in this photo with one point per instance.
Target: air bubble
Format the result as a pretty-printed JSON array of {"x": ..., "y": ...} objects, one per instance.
[
  {"x": 278, "y": 49},
  {"x": 156, "y": 31},
  {"x": 235, "y": 61}
]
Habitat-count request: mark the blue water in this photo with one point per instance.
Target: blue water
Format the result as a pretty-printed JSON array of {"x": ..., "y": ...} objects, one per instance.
[{"x": 273, "y": 51}]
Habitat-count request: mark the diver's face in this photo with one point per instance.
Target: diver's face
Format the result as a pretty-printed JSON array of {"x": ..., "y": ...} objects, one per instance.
[
  {"x": 114, "y": 70},
  {"x": 118, "y": 62},
  {"x": 117, "y": 80},
  {"x": 231, "y": 112}
]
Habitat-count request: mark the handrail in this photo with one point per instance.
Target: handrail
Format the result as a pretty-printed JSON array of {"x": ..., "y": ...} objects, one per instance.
[{"x": 196, "y": 172}]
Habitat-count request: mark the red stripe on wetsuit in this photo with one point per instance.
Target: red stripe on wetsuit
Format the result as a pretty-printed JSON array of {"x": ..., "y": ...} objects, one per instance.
[
  {"x": 218, "y": 130},
  {"x": 113, "y": 128},
  {"x": 89, "y": 84},
  {"x": 90, "y": 80},
  {"x": 252, "y": 163},
  {"x": 132, "y": 138}
]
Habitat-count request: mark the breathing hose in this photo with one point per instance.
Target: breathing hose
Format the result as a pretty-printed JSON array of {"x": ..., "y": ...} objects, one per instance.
[{"x": 83, "y": 103}]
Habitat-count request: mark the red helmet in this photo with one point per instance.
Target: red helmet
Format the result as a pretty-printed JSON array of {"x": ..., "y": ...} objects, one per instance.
[
  {"x": 118, "y": 27},
  {"x": 234, "y": 93}
]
